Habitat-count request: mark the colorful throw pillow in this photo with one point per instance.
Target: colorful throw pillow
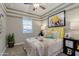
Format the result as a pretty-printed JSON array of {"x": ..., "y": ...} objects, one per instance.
[
  {"x": 50, "y": 37},
  {"x": 55, "y": 35}
]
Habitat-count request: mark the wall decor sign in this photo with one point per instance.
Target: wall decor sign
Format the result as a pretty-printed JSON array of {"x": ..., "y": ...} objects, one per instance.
[{"x": 57, "y": 19}]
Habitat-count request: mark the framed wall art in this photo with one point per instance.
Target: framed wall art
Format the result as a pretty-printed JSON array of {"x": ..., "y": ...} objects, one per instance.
[{"x": 57, "y": 20}]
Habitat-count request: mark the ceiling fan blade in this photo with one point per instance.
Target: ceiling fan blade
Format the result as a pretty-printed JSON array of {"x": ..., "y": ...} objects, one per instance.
[
  {"x": 42, "y": 7},
  {"x": 28, "y": 3}
]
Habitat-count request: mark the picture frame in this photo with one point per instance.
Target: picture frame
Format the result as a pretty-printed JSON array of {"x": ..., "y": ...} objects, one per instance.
[
  {"x": 57, "y": 20},
  {"x": 67, "y": 35}
]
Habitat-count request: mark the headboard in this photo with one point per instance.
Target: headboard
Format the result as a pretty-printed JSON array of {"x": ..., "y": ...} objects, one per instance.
[{"x": 55, "y": 32}]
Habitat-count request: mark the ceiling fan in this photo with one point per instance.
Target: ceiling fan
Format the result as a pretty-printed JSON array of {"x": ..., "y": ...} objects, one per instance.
[{"x": 35, "y": 6}]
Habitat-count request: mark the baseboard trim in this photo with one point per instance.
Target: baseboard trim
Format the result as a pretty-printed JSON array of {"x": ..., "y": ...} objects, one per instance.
[
  {"x": 20, "y": 43},
  {"x": 3, "y": 51}
]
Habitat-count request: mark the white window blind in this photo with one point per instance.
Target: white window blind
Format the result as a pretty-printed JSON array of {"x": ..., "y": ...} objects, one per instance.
[{"x": 27, "y": 25}]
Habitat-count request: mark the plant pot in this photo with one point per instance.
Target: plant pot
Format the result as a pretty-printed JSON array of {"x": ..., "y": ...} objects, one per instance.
[{"x": 10, "y": 44}]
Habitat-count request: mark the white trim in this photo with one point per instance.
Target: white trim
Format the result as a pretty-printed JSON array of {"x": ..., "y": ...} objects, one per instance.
[
  {"x": 20, "y": 16},
  {"x": 10, "y": 11},
  {"x": 4, "y": 10},
  {"x": 3, "y": 51},
  {"x": 3, "y": 7},
  {"x": 20, "y": 43},
  {"x": 61, "y": 8},
  {"x": 68, "y": 8},
  {"x": 17, "y": 12}
]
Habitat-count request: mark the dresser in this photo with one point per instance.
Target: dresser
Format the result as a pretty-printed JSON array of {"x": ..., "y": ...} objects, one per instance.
[{"x": 71, "y": 47}]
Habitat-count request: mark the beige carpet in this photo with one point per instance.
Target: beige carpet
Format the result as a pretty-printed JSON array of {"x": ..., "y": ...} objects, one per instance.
[
  {"x": 18, "y": 51},
  {"x": 15, "y": 51}
]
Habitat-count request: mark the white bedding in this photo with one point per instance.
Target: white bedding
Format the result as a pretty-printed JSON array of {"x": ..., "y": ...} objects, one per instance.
[
  {"x": 55, "y": 46},
  {"x": 36, "y": 47},
  {"x": 47, "y": 47}
]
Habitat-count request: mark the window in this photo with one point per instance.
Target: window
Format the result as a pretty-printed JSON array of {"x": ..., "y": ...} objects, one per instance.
[{"x": 27, "y": 25}]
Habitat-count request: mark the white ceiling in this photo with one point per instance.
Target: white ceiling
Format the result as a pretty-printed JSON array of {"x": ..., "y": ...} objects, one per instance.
[{"x": 29, "y": 8}]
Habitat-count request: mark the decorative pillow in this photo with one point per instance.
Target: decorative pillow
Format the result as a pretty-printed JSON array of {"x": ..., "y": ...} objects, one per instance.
[
  {"x": 55, "y": 35},
  {"x": 50, "y": 37}
]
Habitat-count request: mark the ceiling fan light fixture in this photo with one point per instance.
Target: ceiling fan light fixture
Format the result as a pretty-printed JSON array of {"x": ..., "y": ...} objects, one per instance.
[{"x": 36, "y": 5}]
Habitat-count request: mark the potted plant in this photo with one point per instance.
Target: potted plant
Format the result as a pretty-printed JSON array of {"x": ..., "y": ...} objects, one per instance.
[{"x": 10, "y": 40}]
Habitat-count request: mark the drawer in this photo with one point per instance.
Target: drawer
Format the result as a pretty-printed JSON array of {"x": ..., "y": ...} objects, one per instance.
[{"x": 69, "y": 51}]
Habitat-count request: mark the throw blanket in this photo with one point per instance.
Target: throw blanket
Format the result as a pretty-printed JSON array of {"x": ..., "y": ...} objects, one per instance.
[{"x": 34, "y": 47}]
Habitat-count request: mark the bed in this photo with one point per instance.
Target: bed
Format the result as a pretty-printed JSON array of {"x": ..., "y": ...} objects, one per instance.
[
  {"x": 54, "y": 47},
  {"x": 34, "y": 47},
  {"x": 44, "y": 47}
]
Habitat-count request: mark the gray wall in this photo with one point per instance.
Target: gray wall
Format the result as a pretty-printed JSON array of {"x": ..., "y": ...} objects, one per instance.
[
  {"x": 72, "y": 22},
  {"x": 14, "y": 24},
  {"x": 3, "y": 31},
  {"x": 72, "y": 18}
]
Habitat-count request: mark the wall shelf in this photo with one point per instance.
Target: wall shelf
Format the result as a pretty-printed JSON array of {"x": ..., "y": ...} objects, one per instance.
[{"x": 71, "y": 47}]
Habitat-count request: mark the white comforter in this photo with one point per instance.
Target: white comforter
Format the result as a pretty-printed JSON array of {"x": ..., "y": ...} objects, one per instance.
[
  {"x": 55, "y": 46},
  {"x": 47, "y": 47},
  {"x": 35, "y": 47}
]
